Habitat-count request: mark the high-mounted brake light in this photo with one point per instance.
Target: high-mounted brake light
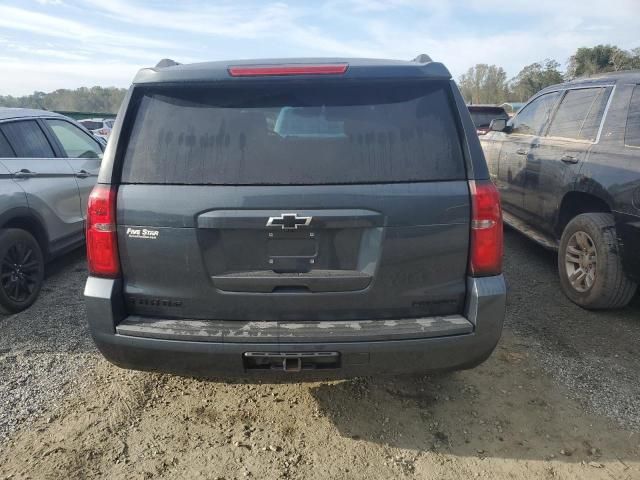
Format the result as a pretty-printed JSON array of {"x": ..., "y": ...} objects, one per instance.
[
  {"x": 486, "y": 229},
  {"x": 281, "y": 70},
  {"x": 102, "y": 243}
]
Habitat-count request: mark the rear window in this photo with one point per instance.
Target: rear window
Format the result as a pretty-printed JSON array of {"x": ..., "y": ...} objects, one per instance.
[
  {"x": 482, "y": 118},
  {"x": 295, "y": 134},
  {"x": 91, "y": 125},
  {"x": 632, "y": 130}
]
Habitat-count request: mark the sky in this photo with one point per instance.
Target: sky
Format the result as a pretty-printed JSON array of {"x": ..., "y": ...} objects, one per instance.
[{"x": 51, "y": 44}]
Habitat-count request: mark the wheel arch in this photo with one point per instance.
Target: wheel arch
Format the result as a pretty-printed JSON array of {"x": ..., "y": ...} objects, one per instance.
[
  {"x": 576, "y": 202},
  {"x": 25, "y": 219}
]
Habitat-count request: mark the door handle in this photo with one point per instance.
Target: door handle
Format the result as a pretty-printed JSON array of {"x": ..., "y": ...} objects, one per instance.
[
  {"x": 569, "y": 159},
  {"x": 24, "y": 173},
  {"x": 522, "y": 151},
  {"x": 83, "y": 174}
]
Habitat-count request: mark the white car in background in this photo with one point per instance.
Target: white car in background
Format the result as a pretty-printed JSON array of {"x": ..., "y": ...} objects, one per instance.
[{"x": 100, "y": 127}]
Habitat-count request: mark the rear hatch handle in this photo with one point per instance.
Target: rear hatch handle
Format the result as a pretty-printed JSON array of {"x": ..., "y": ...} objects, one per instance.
[
  {"x": 268, "y": 281},
  {"x": 284, "y": 220}
]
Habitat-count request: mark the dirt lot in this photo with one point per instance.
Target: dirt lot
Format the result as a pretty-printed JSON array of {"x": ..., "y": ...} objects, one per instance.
[{"x": 558, "y": 399}]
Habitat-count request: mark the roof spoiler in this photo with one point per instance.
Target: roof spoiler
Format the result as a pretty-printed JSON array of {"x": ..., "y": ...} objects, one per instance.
[
  {"x": 166, "y": 62},
  {"x": 422, "y": 58}
]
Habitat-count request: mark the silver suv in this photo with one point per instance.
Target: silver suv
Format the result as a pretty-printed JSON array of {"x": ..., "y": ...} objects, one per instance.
[{"x": 48, "y": 166}]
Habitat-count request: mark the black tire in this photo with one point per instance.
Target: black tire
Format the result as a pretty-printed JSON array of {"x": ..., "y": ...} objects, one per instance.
[
  {"x": 21, "y": 270},
  {"x": 610, "y": 287}
]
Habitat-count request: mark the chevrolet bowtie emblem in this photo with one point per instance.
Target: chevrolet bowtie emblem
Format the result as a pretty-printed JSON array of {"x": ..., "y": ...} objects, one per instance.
[{"x": 289, "y": 221}]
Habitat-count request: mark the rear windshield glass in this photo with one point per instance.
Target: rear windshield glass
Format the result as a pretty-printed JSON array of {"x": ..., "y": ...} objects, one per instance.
[
  {"x": 294, "y": 134},
  {"x": 483, "y": 118},
  {"x": 90, "y": 125}
]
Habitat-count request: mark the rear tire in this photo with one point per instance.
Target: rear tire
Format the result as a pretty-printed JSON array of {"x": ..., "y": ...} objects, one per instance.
[
  {"x": 21, "y": 270},
  {"x": 591, "y": 273}
]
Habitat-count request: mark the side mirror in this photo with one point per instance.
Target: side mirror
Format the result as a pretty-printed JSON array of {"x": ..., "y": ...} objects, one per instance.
[{"x": 498, "y": 125}]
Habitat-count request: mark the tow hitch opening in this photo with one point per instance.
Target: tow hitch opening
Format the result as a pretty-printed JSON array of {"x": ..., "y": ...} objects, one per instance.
[{"x": 291, "y": 362}]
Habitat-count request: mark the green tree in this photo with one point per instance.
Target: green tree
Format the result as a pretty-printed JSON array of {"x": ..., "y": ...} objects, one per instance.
[
  {"x": 602, "y": 58},
  {"x": 533, "y": 78},
  {"x": 484, "y": 84}
]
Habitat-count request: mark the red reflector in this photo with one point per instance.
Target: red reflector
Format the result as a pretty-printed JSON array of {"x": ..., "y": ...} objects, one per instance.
[
  {"x": 486, "y": 229},
  {"x": 102, "y": 243},
  {"x": 258, "y": 71}
]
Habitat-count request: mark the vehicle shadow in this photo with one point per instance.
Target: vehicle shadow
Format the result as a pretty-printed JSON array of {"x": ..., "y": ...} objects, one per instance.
[
  {"x": 537, "y": 307},
  {"x": 504, "y": 409},
  {"x": 515, "y": 405},
  {"x": 61, "y": 265}
]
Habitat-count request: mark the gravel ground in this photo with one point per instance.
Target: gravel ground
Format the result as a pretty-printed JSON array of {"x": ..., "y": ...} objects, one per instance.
[
  {"x": 558, "y": 399},
  {"x": 592, "y": 353},
  {"x": 43, "y": 349}
]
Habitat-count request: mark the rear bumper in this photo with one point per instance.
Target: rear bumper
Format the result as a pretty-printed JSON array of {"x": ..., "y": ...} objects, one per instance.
[{"x": 185, "y": 353}]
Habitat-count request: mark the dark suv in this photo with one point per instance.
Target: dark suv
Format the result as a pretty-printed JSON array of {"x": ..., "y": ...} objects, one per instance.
[
  {"x": 333, "y": 217},
  {"x": 568, "y": 169}
]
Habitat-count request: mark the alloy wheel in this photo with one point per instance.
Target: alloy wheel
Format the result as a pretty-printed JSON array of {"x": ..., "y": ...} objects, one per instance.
[
  {"x": 19, "y": 272},
  {"x": 581, "y": 260}
]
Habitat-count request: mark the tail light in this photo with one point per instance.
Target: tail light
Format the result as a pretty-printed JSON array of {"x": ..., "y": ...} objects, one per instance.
[
  {"x": 102, "y": 243},
  {"x": 486, "y": 230},
  {"x": 280, "y": 70}
]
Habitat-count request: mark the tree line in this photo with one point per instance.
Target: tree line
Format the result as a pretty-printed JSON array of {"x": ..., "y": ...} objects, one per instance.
[
  {"x": 484, "y": 83},
  {"x": 84, "y": 99}
]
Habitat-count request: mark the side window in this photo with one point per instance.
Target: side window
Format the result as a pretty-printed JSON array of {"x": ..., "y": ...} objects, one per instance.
[
  {"x": 5, "y": 149},
  {"x": 75, "y": 142},
  {"x": 632, "y": 131},
  {"x": 532, "y": 119},
  {"x": 579, "y": 114},
  {"x": 27, "y": 139}
]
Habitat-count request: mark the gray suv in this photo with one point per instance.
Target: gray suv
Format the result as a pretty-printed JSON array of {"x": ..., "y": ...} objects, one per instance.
[
  {"x": 48, "y": 166},
  {"x": 309, "y": 218}
]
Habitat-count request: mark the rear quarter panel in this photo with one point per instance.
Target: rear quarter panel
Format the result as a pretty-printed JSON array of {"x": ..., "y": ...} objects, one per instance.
[
  {"x": 612, "y": 173},
  {"x": 12, "y": 198}
]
